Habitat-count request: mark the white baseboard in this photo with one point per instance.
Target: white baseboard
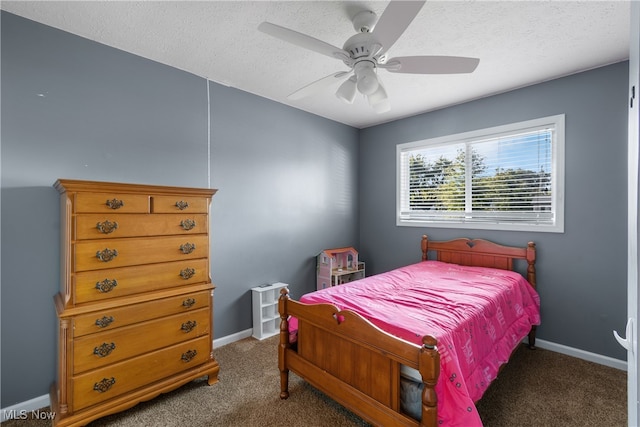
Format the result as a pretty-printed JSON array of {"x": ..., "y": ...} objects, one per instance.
[
  {"x": 232, "y": 338},
  {"x": 581, "y": 354},
  {"x": 21, "y": 409}
]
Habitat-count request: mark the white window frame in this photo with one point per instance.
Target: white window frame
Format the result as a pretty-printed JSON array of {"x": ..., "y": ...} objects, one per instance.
[{"x": 557, "y": 123}]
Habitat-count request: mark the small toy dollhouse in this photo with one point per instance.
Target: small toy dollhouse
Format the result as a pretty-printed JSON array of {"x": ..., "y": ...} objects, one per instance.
[{"x": 338, "y": 266}]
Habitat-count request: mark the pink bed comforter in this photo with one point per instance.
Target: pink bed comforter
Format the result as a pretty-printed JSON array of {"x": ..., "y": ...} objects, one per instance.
[{"x": 478, "y": 315}]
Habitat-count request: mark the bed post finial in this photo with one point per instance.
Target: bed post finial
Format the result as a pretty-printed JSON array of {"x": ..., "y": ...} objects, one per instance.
[
  {"x": 429, "y": 368},
  {"x": 425, "y": 247},
  {"x": 531, "y": 260}
]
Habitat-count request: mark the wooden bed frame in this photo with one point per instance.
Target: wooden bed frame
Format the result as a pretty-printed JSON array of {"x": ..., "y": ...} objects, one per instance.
[{"x": 357, "y": 364}]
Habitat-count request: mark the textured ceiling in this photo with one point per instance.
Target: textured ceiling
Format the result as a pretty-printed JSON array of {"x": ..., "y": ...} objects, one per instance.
[{"x": 519, "y": 43}]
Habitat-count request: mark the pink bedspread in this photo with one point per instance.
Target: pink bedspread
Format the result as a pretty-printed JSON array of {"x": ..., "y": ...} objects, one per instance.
[{"x": 478, "y": 315}]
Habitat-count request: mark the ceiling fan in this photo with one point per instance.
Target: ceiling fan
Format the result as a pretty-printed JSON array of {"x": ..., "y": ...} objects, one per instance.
[{"x": 366, "y": 52}]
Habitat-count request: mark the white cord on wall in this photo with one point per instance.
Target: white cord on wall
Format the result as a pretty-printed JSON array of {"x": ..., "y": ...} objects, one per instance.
[{"x": 208, "y": 136}]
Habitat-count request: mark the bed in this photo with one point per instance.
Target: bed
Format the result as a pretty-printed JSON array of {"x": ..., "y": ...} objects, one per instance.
[{"x": 380, "y": 349}]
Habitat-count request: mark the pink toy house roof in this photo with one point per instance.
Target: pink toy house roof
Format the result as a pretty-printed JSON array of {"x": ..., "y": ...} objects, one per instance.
[{"x": 331, "y": 252}]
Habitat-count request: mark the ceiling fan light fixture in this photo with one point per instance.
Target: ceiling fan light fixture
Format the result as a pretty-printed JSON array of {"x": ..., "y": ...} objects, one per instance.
[
  {"x": 378, "y": 96},
  {"x": 379, "y": 100},
  {"x": 367, "y": 82},
  {"x": 347, "y": 90}
]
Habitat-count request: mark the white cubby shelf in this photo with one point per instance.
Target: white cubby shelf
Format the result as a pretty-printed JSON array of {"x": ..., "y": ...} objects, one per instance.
[{"x": 266, "y": 319}]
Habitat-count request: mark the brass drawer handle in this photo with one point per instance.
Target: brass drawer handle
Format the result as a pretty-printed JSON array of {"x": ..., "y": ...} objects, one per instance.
[
  {"x": 188, "y": 355},
  {"x": 106, "y": 285},
  {"x": 115, "y": 203},
  {"x": 104, "y": 349},
  {"x": 187, "y": 248},
  {"x": 104, "y": 322},
  {"x": 189, "y": 302},
  {"x": 106, "y": 255},
  {"x": 188, "y": 326},
  {"x": 107, "y": 227},
  {"x": 187, "y": 224},
  {"x": 182, "y": 205},
  {"x": 187, "y": 273},
  {"x": 104, "y": 385}
]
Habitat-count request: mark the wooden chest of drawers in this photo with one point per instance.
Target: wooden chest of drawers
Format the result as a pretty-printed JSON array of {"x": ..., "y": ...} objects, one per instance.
[{"x": 135, "y": 307}]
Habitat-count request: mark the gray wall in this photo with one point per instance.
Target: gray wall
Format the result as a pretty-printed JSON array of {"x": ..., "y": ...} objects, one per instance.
[
  {"x": 287, "y": 190},
  {"x": 286, "y": 179},
  {"x": 581, "y": 272}
]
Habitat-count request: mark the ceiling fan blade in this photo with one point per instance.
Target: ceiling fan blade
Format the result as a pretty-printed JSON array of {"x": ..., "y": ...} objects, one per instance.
[
  {"x": 320, "y": 85},
  {"x": 394, "y": 21},
  {"x": 302, "y": 40},
  {"x": 431, "y": 64}
]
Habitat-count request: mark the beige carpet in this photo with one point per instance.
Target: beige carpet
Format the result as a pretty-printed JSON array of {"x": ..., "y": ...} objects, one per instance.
[{"x": 537, "y": 388}]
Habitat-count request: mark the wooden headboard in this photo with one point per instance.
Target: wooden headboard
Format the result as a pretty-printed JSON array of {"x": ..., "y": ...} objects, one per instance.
[{"x": 481, "y": 253}]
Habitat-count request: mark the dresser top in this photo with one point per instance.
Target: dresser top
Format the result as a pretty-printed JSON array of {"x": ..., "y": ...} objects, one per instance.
[{"x": 70, "y": 185}]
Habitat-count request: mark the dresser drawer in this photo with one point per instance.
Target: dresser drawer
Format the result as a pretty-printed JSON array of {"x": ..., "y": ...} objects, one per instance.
[
  {"x": 114, "y": 380},
  {"x": 97, "y": 255},
  {"x": 111, "y": 202},
  {"x": 101, "y": 285},
  {"x": 100, "y": 226},
  {"x": 98, "y": 350},
  {"x": 174, "y": 204},
  {"x": 105, "y": 320}
]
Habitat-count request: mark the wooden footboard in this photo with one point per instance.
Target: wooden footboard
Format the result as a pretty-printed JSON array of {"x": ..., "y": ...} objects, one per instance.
[{"x": 354, "y": 362}]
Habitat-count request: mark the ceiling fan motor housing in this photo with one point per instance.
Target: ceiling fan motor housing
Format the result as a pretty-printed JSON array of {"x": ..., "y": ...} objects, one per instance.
[{"x": 361, "y": 45}]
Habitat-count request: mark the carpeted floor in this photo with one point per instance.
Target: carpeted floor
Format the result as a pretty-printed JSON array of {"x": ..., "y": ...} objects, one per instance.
[{"x": 537, "y": 388}]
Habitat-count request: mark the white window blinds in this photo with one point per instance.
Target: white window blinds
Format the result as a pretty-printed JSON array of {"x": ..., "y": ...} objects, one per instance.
[{"x": 508, "y": 177}]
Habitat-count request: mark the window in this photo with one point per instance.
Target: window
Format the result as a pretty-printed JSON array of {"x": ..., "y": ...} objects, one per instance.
[{"x": 503, "y": 178}]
